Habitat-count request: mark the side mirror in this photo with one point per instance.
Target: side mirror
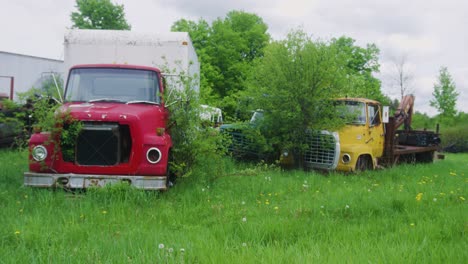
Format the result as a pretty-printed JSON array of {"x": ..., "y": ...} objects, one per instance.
[{"x": 385, "y": 114}]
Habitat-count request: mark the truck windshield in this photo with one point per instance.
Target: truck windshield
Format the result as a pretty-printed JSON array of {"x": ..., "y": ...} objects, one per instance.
[
  {"x": 353, "y": 112},
  {"x": 113, "y": 85}
]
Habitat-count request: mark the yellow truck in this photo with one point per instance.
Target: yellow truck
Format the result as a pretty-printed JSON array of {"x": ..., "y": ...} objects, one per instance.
[{"x": 371, "y": 139}]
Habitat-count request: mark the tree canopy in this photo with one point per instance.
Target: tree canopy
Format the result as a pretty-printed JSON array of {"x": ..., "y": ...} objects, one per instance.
[
  {"x": 226, "y": 50},
  {"x": 296, "y": 80},
  {"x": 99, "y": 14},
  {"x": 445, "y": 94}
]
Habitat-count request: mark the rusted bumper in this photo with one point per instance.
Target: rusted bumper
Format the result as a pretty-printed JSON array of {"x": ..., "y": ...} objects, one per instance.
[{"x": 83, "y": 181}]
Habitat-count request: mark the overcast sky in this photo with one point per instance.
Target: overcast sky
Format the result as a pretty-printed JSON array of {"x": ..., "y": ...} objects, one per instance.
[{"x": 429, "y": 34}]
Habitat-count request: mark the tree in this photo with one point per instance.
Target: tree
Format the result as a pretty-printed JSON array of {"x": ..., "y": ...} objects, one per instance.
[
  {"x": 293, "y": 83},
  {"x": 99, "y": 14},
  {"x": 445, "y": 94},
  {"x": 296, "y": 80},
  {"x": 360, "y": 64},
  {"x": 226, "y": 50},
  {"x": 402, "y": 76},
  {"x": 200, "y": 33}
]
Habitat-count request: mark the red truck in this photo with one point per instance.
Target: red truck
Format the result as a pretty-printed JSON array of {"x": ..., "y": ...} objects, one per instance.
[{"x": 121, "y": 113}]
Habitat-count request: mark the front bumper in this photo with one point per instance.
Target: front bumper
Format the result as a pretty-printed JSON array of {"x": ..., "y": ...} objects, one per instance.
[{"x": 83, "y": 181}]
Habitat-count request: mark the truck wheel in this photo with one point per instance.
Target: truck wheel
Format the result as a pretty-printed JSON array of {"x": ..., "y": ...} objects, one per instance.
[{"x": 363, "y": 163}]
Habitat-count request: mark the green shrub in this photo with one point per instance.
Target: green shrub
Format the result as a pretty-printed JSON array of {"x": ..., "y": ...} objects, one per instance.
[{"x": 455, "y": 138}]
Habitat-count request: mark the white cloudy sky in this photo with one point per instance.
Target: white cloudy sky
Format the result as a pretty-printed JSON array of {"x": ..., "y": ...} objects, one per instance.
[{"x": 429, "y": 33}]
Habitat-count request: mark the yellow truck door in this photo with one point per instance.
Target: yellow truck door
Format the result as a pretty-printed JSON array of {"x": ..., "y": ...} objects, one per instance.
[{"x": 375, "y": 137}]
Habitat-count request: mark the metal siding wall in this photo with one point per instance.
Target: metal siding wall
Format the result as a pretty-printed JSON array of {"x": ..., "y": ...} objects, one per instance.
[{"x": 26, "y": 70}]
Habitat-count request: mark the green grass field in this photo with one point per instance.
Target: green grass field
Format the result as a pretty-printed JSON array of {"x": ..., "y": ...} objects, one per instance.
[{"x": 407, "y": 214}]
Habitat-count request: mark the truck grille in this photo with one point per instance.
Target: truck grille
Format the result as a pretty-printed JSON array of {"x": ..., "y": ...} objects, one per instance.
[
  {"x": 102, "y": 144},
  {"x": 322, "y": 151}
]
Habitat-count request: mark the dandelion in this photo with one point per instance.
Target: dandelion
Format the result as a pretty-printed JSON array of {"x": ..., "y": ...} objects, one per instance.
[
  {"x": 347, "y": 207},
  {"x": 419, "y": 197},
  {"x": 243, "y": 202},
  {"x": 25, "y": 196},
  {"x": 368, "y": 190},
  {"x": 322, "y": 206},
  {"x": 462, "y": 198},
  {"x": 453, "y": 173},
  {"x": 244, "y": 219},
  {"x": 161, "y": 246},
  {"x": 412, "y": 224},
  {"x": 244, "y": 244},
  {"x": 203, "y": 189},
  {"x": 269, "y": 194},
  {"x": 267, "y": 202},
  {"x": 170, "y": 250},
  {"x": 17, "y": 232},
  {"x": 435, "y": 199},
  {"x": 104, "y": 212},
  {"x": 276, "y": 207},
  {"x": 21, "y": 210},
  {"x": 305, "y": 185},
  {"x": 182, "y": 250}
]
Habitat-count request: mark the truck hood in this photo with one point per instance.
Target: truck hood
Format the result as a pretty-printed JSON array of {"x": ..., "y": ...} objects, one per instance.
[{"x": 112, "y": 112}]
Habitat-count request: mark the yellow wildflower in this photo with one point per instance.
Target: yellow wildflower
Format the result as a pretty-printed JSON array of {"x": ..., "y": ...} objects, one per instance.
[
  {"x": 419, "y": 197},
  {"x": 104, "y": 212},
  {"x": 276, "y": 208},
  {"x": 17, "y": 232},
  {"x": 462, "y": 198},
  {"x": 453, "y": 173}
]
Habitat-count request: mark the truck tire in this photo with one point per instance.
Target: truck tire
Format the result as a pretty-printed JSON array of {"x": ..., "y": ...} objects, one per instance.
[{"x": 363, "y": 163}]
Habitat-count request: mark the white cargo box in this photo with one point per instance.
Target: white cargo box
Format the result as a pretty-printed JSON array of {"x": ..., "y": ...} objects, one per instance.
[{"x": 171, "y": 52}]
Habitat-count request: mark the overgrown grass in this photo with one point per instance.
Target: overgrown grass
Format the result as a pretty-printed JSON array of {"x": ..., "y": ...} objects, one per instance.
[{"x": 408, "y": 214}]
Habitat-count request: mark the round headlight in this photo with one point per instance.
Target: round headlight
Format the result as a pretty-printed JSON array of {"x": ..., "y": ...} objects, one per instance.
[
  {"x": 39, "y": 153},
  {"x": 346, "y": 158},
  {"x": 153, "y": 155}
]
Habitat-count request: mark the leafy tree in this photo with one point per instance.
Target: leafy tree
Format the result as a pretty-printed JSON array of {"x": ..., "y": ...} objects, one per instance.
[
  {"x": 226, "y": 50},
  {"x": 445, "y": 94},
  {"x": 296, "y": 80},
  {"x": 99, "y": 14},
  {"x": 360, "y": 64},
  {"x": 200, "y": 34},
  {"x": 293, "y": 83}
]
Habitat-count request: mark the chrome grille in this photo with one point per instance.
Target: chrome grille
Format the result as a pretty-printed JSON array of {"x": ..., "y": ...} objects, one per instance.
[{"x": 322, "y": 151}]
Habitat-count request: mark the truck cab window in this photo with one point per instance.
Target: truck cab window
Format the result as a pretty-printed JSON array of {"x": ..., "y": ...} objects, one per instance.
[
  {"x": 374, "y": 114},
  {"x": 123, "y": 85},
  {"x": 353, "y": 112}
]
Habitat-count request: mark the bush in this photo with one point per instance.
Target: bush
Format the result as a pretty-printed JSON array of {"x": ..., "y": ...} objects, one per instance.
[
  {"x": 194, "y": 146},
  {"x": 455, "y": 138}
]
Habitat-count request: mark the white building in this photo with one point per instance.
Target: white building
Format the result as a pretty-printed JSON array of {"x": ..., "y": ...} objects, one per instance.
[{"x": 26, "y": 71}]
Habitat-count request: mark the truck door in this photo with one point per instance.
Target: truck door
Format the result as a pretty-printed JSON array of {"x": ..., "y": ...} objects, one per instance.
[{"x": 376, "y": 133}]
